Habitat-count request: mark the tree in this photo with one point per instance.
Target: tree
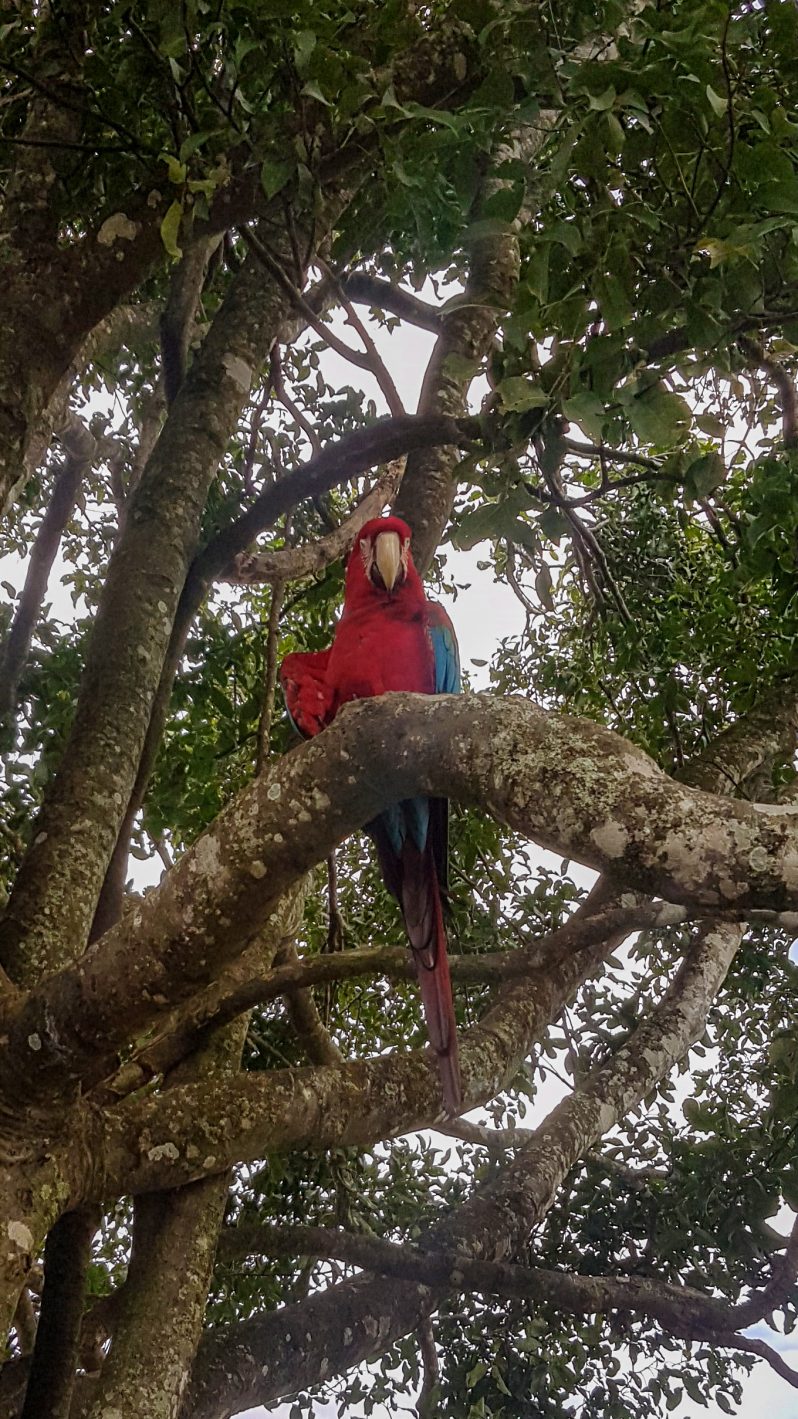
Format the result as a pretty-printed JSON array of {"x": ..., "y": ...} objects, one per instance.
[{"x": 207, "y": 1086}]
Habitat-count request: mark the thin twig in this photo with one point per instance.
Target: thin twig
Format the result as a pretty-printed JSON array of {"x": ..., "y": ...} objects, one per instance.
[
  {"x": 335, "y": 921},
  {"x": 515, "y": 585},
  {"x": 496, "y": 1138},
  {"x": 269, "y": 675},
  {"x": 724, "y": 59},
  {"x": 378, "y": 367},
  {"x": 281, "y": 393},
  {"x": 254, "y": 434},
  {"x": 355, "y": 357},
  {"x": 293, "y": 563},
  {"x": 597, "y": 552},
  {"x": 610, "y": 455}
]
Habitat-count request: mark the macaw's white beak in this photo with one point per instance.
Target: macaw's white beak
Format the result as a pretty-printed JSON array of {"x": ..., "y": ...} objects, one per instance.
[{"x": 388, "y": 557}]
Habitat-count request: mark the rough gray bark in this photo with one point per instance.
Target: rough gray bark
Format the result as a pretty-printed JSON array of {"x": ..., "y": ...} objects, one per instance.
[
  {"x": 80, "y": 450},
  {"x": 260, "y": 1361},
  {"x": 569, "y": 784},
  {"x": 55, "y": 895},
  {"x": 166, "y": 1289}
]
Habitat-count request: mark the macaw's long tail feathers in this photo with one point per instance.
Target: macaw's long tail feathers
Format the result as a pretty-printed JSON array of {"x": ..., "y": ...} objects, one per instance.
[{"x": 421, "y": 907}]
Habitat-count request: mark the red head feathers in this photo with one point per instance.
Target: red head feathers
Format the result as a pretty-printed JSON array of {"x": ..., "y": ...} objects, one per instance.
[{"x": 381, "y": 561}]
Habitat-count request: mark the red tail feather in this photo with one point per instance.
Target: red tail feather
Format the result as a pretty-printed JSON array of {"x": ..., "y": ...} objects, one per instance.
[{"x": 421, "y": 907}]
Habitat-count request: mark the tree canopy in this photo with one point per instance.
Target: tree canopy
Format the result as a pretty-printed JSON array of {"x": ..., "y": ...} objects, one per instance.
[{"x": 225, "y": 1171}]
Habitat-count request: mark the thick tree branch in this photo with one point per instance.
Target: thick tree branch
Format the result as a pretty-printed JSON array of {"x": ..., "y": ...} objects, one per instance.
[
  {"x": 178, "y": 315},
  {"x": 66, "y": 1259},
  {"x": 376, "y": 365},
  {"x": 25, "y": 1323},
  {"x": 165, "y": 1293},
  {"x": 231, "y": 995},
  {"x": 293, "y": 563},
  {"x": 357, "y": 1104},
  {"x": 405, "y": 1089},
  {"x": 683, "y": 1309},
  {"x": 573, "y": 786},
  {"x": 365, "y": 289},
  {"x": 244, "y": 986},
  {"x": 490, "y": 1226},
  {"x": 80, "y": 448},
  {"x": 381, "y": 442}
]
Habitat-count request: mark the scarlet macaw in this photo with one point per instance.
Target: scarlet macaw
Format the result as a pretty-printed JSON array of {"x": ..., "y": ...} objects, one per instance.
[{"x": 390, "y": 637}]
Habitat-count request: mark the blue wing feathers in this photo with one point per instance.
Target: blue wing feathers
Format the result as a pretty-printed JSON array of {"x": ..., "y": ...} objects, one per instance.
[{"x": 447, "y": 656}]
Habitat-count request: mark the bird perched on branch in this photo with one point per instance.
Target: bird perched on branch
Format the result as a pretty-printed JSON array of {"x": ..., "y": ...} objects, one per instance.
[{"x": 390, "y": 637}]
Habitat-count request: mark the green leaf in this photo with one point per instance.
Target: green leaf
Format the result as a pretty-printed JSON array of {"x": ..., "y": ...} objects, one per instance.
[
  {"x": 493, "y": 520},
  {"x": 705, "y": 474},
  {"x": 498, "y": 1380},
  {"x": 616, "y": 134},
  {"x": 176, "y": 169},
  {"x": 438, "y": 116},
  {"x": 694, "y": 1390},
  {"x": 554, "y": 524},
  {"x": 389, "y": 100},
  {"x": 460, "y": 367},
  {"x": 568, "y": 234},
  {"x": 195, "y": 141},
  {"x": 711, "y": 424},
  {"x": 518, "y": 393},
  {"x": 660, "y": 417},
  {"x": 312, "y": 91},
  {"x": 601, "y": 102},
  {"x": 274, "y": 174},
  {"x": 486, "y": 227},
  {"x": 544, "y": 587},
  {"x": 504, "y": 204},
  {"x": 170, "y": 228},
  {"x": 304, "y": 44},
  {"x": 719, "y": 104},
  {"x": 476, "y": 1374},
  {"x": 778, "y": 197},
  {"x": 587, "y": 410},
  {"x": 614, "y": 300}
]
